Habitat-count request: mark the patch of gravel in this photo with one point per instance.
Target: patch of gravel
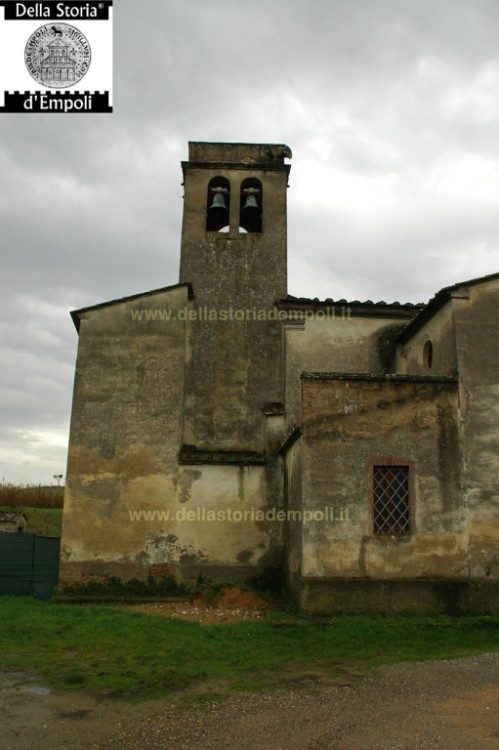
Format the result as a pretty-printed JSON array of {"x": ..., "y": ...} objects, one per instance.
[
  {"x": 445, "y": 704},
  {"x": 448, "y": 705}
]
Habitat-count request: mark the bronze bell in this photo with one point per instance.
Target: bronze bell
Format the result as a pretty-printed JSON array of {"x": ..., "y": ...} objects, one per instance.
[
  {"x": 218, "y": 201},
  {"x": 251, "y": 202}
]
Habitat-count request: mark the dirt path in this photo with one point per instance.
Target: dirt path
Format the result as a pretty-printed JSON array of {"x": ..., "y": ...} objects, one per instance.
[{"x": 447, "y": 704}]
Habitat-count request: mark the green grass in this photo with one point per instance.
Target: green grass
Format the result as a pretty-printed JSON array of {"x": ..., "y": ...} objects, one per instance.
[
  {"x": 133, "y": 655},
  {"x": 41, "y": 521}
]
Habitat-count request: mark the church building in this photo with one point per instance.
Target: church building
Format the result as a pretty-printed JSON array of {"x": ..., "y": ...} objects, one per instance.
[{"x": 345, "y": 450}]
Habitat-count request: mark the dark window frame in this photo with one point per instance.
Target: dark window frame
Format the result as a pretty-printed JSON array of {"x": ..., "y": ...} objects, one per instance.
[{"x": 395, "y": 461}]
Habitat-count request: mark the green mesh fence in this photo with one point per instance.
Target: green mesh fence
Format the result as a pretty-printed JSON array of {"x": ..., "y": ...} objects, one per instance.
[{"x": 29, "y": 564}]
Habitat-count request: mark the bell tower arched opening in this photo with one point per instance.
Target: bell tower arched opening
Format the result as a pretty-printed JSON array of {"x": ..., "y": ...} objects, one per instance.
[
  {"x": 217, "y": 204},
  {"x": 251, "y": 205}
]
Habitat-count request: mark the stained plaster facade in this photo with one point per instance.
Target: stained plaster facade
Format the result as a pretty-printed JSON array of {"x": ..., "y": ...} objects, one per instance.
[{"x": 215, "y": 425}]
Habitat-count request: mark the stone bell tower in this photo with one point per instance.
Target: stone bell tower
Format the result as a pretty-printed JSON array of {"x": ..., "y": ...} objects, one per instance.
[{"x": 234, "y": 253}]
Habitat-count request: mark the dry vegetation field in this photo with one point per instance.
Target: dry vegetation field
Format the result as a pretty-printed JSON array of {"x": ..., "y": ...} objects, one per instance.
[{"x": 31, "y": 495}]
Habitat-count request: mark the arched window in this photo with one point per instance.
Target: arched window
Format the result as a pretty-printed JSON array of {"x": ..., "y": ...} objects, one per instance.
[
  {"x": 251, "y": 204},
  {"x": 428, "y": 354},
  {"x": 217, "y": 204}
]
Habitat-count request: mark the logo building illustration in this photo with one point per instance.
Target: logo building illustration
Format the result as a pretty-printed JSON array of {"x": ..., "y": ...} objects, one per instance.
[{"x": 57, "y": 56}]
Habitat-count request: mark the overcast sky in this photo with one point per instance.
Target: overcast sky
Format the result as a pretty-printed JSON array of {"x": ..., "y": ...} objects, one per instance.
[{"x": 391, "y": 109}]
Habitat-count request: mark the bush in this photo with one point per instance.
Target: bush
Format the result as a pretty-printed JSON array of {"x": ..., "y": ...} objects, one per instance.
[{"x": 134, "y": 587}]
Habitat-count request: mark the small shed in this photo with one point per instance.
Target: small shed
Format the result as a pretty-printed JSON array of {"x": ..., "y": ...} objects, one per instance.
[{"x": 13, "y": 523}]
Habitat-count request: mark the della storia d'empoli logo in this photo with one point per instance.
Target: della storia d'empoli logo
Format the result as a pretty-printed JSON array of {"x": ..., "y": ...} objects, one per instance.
[{"x": 57, "y": 55}]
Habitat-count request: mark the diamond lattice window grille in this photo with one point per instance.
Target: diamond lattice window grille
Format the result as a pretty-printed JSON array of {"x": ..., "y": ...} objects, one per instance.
[{"x": 391, "y": 499}]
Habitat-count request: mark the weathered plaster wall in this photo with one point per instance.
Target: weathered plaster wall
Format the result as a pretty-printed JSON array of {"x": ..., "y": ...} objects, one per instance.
[
  {"x": 440, "y": 331},
  {"x": 346, "y": 423},
  {"x": 477, "y": 333},
  {"x": 221, "y": 531},
  {"x": 293, "y": 506},
  {"x": 343, "y": 343},
  {"x": 126, "y": 430},
  {"x": 130, "y": 509},
  {"x": 464, "y": 334}
]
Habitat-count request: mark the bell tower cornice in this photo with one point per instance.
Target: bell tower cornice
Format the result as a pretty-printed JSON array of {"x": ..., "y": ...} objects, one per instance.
[{"x": 264, "y": 166}]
